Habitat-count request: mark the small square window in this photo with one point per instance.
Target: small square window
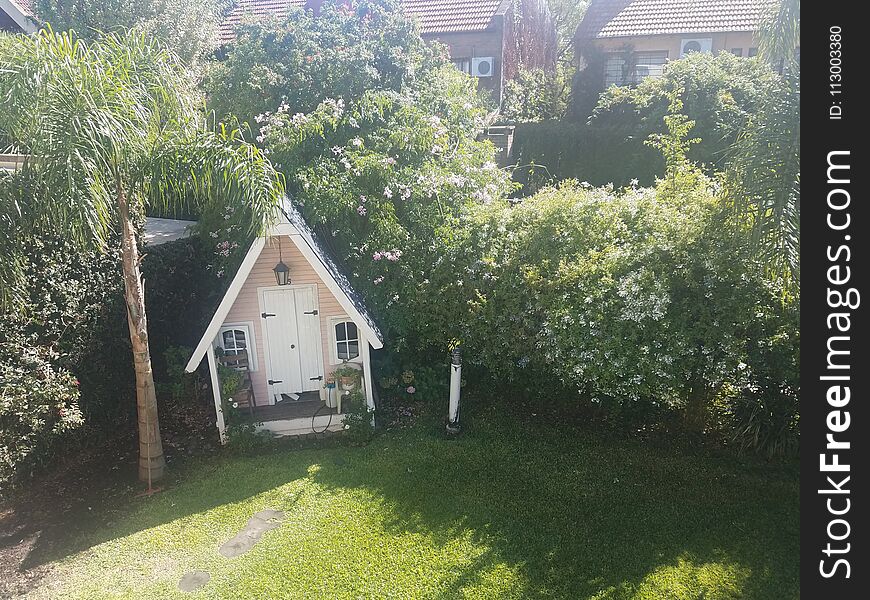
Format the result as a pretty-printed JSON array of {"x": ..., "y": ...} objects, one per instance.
[
  {"x": 234, "y": 338},
  {"x": 463, "y": 64},
  {"x": 737, "y": 51},
  {"x": 753, "y": 52},
  {"x": 346, "y": 340}
]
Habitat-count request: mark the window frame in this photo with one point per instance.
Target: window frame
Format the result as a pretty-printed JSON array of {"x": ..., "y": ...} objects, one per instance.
[
  {"x": 251, "y": 347},
  {"x": 465, "y": 64},
  {"x": 616, "y": 61},
  {"x": 333, "y": 341}
]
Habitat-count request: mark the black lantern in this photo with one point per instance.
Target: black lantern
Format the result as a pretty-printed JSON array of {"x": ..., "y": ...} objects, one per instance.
[{"x": 282, "y": 271}]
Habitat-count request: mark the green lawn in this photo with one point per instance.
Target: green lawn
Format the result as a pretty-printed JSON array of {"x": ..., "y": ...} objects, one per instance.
[{"x": 507, "y": 511}]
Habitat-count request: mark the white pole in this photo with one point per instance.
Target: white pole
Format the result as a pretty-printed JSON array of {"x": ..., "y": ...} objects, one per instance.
[{"x": 455, "y": 384}]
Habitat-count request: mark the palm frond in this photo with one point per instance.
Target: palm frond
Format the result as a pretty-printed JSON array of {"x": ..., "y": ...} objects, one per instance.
[
  {"x": 779, "y": 33},
  {"x": 764, "y": 180},
  {"x": 117, "y": 113}
]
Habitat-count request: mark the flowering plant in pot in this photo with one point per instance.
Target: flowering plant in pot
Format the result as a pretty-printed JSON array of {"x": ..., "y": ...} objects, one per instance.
[{"x": 347, "y": 377}]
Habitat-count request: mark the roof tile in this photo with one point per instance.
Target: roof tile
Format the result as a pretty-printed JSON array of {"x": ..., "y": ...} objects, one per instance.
[
  {"x": 629, "y": 18},
  {"x": 433, "y": 16}
]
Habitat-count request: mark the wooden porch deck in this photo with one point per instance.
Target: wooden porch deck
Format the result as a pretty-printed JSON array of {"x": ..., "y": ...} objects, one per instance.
[{"x": 285, "y": 410}]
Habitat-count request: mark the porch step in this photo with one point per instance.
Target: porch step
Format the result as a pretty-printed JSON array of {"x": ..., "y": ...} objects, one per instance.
[{"x": 303, "y": 426}]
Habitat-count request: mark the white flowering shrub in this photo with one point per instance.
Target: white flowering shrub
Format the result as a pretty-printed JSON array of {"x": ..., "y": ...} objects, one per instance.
[{"x": 630, "y": 297}]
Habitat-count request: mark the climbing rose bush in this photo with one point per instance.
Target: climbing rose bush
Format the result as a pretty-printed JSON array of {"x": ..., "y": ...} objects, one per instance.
[
  {"x": 38, "y": 403},
  {"x": 376, "y": 133}
]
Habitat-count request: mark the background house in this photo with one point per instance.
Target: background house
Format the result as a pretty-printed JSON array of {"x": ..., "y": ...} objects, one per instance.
[
  {"x": 639, "y": 36},
  {"x": 489, "y": 39},
  {"x": 16, "y": 16}
]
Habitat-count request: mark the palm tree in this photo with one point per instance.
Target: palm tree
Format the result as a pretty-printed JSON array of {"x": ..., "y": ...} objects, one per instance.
[
  {"x": 780, "y": 33},
  {"x": 109, "y": 128},
  {"x": 764, "y": 176}
]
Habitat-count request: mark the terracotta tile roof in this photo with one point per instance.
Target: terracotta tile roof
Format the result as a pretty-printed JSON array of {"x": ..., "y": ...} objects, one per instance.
[
  {"x": 434, "y": 16},
  {"x": 445, "y": 16},
  {"x": 26, "y": 6},
  {"x": 257, "y": 9},
  {"x": 630, "y": 18}
]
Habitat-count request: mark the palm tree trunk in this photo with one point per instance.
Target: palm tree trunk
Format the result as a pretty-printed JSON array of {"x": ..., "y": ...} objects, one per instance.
[{"x": 151, "y": 461}]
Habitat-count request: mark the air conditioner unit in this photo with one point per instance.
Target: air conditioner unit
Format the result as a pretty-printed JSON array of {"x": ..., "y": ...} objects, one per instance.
[
  {"x": 483, "y": 66},
  {"x": 695, "y": 45}
]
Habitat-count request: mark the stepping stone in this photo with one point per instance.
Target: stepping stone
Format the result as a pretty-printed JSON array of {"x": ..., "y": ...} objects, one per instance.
[
  {"x": 247, "y": 538},
  {"x": 193, "y": 581}
]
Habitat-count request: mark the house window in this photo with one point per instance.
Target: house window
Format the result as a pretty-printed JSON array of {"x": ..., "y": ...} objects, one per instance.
[
  {"x": 643, "y": 64},
  {"x": 346, "y": 340},
  {"x": 236, "y": 337},
  {"x": 753, "y": 52},
  {"x": 737, "y": 51},
  {"x": 463, "y": 64}
]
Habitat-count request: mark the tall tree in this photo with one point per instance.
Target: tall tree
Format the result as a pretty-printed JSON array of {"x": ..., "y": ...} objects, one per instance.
[{"x": 109, "y": 128}]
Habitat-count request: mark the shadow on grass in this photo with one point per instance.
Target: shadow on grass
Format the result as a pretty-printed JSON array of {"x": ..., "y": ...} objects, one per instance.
[
  {"x": 199, "y": 485},
  {"x": 587, "y": 516},
  {"x": 574, "y": 515}
]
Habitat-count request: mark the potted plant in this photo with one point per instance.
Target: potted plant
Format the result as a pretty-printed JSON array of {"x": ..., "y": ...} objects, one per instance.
[{"x": 347, "y": 376}]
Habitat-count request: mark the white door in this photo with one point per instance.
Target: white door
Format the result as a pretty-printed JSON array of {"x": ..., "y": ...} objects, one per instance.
[{"x": 295, "y": 361}]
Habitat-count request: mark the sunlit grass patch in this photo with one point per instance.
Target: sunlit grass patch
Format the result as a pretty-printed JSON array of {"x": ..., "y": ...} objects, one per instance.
[{"x": 503, "y": 512}]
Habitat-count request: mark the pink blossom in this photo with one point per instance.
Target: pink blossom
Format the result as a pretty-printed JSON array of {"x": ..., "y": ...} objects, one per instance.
[
  {"x": 410, "y": 389},
  {"x": 377, "y": 255},
  {"x": 378, "y": 280},
  {"x": 361, "y": 210}
]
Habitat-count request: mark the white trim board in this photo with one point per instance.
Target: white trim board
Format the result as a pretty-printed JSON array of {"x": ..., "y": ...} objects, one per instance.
[
  {"x": 226, "y": 304},
  {"x": 17, "y": 14}
]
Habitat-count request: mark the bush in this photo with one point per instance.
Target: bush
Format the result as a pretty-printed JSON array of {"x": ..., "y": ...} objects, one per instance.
[
  {"x": 636, "y": 299},
  {"x": 72, "y": 309},
  {"x": 547, "y": 153},
  {"x": 535, "y": 95},
  {"x": 358, "y": 428},
  {"x": 721, "y": 94},
  {"x": 38, "y": 405},
  {"x": 188, "y": 27}
]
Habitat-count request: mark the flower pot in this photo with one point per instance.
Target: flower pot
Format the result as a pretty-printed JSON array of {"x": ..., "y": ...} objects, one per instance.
[{"x": 347, "y": 382}]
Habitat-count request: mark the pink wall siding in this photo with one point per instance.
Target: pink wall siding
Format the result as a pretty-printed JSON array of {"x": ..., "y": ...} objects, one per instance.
[{"x": 247, "y": 304}]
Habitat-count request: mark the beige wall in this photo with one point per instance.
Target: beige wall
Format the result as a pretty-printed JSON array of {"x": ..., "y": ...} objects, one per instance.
[
  {"x": 672, "y": 43},
  {"x": 247, "y": 305},
  {"x": 477, "y": 43}
]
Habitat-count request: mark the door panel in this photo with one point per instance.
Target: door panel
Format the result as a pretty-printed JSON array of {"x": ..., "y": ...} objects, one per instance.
[
  {"x": 311, "y": 348},
  {"x": 283, "y": 342},
  {"x": 293, "y": 340}
]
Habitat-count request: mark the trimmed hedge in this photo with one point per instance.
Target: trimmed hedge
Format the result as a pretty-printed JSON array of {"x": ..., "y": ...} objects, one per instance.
[{"x": 66, "y": 374}]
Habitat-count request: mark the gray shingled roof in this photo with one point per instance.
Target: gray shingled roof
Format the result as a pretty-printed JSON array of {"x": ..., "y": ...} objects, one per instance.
[{"x": 295, "y": 218}]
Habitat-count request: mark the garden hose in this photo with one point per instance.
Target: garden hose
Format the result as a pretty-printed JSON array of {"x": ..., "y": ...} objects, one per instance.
[{"x": 317, "y": 412}]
